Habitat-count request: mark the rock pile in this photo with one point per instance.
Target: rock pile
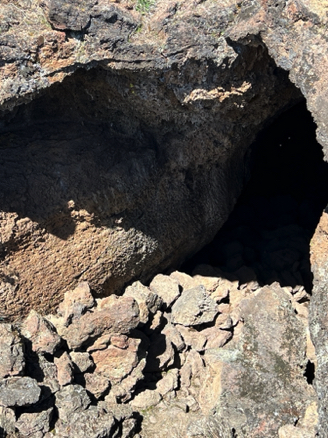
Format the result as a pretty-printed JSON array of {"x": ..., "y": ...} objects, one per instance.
[{"x": 208, "y": 352}]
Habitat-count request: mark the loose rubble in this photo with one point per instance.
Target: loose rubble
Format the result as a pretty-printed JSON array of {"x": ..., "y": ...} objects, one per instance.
[{"x": 200, "y": 349}]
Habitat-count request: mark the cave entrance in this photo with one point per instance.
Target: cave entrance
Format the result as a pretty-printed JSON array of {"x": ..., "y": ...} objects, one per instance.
[{"x": 267, "y": 235}]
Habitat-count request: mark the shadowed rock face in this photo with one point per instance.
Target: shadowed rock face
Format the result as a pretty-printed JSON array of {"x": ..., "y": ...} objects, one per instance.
[
  {"x": 112, "y": 176},
  {"x": 133, "y": 149}
]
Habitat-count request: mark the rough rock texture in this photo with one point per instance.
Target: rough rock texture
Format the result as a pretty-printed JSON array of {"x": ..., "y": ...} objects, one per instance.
[
  {"x": 132, "y": 152},
  {"x": 318, "y": 316}
]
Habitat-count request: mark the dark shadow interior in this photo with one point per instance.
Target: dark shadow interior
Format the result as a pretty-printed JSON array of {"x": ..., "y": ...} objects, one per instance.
[{"x": 270, "y": 229}]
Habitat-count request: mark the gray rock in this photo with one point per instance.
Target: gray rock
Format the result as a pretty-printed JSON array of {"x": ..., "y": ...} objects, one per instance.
[
  {"x": 256, "y": 383},
  {"x": 82, "y": 361},
  {"x": 19, "y": 391},
  {"x": 12, "y": 361},
  {"x": 148, "y": 301},
  {"x": 34, "y": 424},
  {"x": 194, "y": 307},
  {"x": 70, "y": 399},
  {"x": 91, "y": 423}
]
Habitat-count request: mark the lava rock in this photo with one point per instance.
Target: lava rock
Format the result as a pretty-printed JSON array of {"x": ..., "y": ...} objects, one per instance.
[{"x": 19, "y": 391}]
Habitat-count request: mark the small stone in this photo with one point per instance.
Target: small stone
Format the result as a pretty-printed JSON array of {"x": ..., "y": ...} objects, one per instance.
[
  {"x": 100, "y": 343},
  {"x": 194, "y": 307},
  {"x": 89, "y": 423},
  {"x": 174, "y": 336},
  {"x": 120, "y": 341},
  {"x": 19, "y": 391},
  {"x": 41, "y": 333},
  {"x": 148, "y": 301},
  {"x": 146, "y": 399},
  {"x": 116, "y": 363},
  {"x": 224, "y": 321},
  {"x": 70, "y": 399},
  {"x": 96, "y": 384},
  {"x": 165, "y": 287},
  {"x": 7, "y": 421},
  {"x": 168, "y": 383},
  {"x": 192, "y": 337},
  {"x": 157, "y": 321},
  {"x": 117, "y": 315},
  {"x": 12, "y": 361},
  {"x": 64, "y": 369},
  {"x": 76, "y": 303},
  {"x": 82, "y": 361},
  {"x": 183, "y": 279},
  {"x": 215, "y": 337},
  {"x": 34, "y": 424}
]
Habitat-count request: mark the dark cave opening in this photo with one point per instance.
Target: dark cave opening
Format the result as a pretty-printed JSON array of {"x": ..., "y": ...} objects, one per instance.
[{"x": 267, "y": 236}]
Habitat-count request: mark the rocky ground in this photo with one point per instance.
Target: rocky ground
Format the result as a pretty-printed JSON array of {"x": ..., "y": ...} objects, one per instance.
[{"x": 222, "y": 349}]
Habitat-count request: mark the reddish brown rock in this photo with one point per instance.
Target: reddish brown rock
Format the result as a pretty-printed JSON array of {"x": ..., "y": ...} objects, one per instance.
[
  {"x": 148, "y": 301},
  {"x": 41, "y": 333},
  {"x": 76, "y": 302},
  {"x": 116, "y": 363},
  {"x": 64, "y": 369},
  {"x": 96, "y": 384},
  {"x": 120, "y": 316},
  {"x": 12, "y": 361}
]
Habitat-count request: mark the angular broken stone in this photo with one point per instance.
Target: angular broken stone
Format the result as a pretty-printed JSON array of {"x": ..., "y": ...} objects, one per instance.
[
  {"x": 120, "y": 316},
  {"x": 146, "y": 399},
  {"x": 168, "y": 383},
  {"x": 194, "y": 307},
  {"x": 96, "y": 384},
  {"x": 148, "y": 301},
  {"x": 70, "y": 399},
  {"x": 215, "y": 337},
  {"x": 165, "y": 287},
  {"x": 34, "y": 424},
  {"x": 116, "y": 363},
  {"x": 41, "y": 333},
  {"x": 76, "y": 302},
  {"x": 7, "y": 421},
  {"x": 192, "y": 337},
  {"x": 19, "y": 391},
  {"x": 12, "y": 361},
  {"x": 82, "y": 361},
  {"x": 64, "y": 366},
  {"x": 89, "y": 423}
]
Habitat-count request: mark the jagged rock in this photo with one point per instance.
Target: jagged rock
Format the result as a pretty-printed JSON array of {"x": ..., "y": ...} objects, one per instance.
[
  {"x": 96, "y": 384},
  {"x": 100, "y": 343},
  {"x": 148, "y": 301},
  {"x": 34, "y": 424},
  {"x": 256, "y": 381},
  {"x": 82, "y": 361},
  {"x": 183, "y": 279},
  {"x": 64, "y": 366},
  {"x": 76, "y": 303},
  {"x": 194, "y": 307},
  {"x": 120, "y": 316},
  {"x": 71, "y": 399},
  {"x": 168, "y": 382},
  {"x": 192, "y": 372},
  {"x": 165, "y": 287},
  {"x": 12, "y": 362},
  {"x": 215, "y": 337},
  {"x": 19, "y": 391},
  {"x": 192, "y": 337},
  {"x": 173, "y": 335},
  {"x": 116, "y": 363},
  {"x": 146, "y": 399},
  {"x": 40, "y": 369},
  {"x": 7, "y": 420},
  {"x": 41, "y": 333},
  {"x": 318, "y": 316},
  {"x": 91, "y": 423}
]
